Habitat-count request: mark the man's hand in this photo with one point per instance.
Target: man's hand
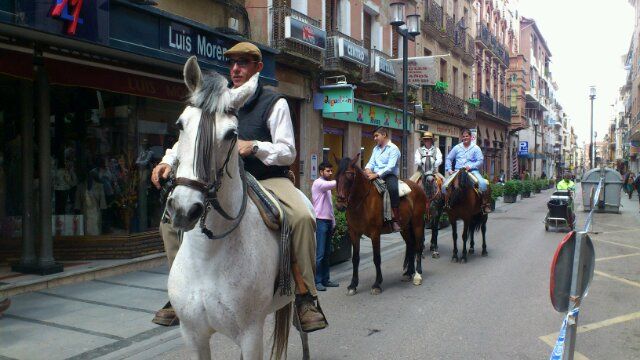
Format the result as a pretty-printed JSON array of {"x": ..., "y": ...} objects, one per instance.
[
  {"x": 161, "y": 171},
  {"x": 367, "y": 171},
  {"x": 372, "y": 175},
  {"x": 468, "y": 167},
  {"x": 245, "y": 147}
]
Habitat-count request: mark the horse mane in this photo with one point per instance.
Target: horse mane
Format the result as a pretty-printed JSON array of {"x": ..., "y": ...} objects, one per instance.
[
  {"x": 212, "y": 96},
  {"x": 344, "y": 164},
  {"x": 464, "y": 184}
]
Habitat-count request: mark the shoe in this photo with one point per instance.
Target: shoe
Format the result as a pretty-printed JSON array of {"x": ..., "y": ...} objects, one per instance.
[
  {"x": 331, "y": 284},
  {"x": 320, "y": 287},
  {"x": 311, "y": 318},
  {"x": 4, "y": 305},
  {"x": 166, "y": 316}
]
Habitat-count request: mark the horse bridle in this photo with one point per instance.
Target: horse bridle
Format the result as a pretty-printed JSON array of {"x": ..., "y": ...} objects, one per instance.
[
  {"x": 353, "y": 173},
  {"x": 210, "y": 192}
]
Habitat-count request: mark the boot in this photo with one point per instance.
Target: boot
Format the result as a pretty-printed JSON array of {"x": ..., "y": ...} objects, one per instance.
[
  {"x": 166, "y": 316},
  {"x": 486, "y": 201},
  {"x": 311, "y": 317},
  {"x": 396, "y": 220}
]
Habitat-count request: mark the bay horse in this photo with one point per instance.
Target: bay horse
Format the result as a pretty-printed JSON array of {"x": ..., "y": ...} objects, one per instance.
[
  {"x": 465, "y": 204},
  {"x": 222, "y": 279},
  {"x": 432, "y": 186},
  {"x": 358, "y": 196}
]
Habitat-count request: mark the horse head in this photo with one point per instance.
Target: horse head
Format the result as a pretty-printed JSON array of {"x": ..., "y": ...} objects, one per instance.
[
  {"x": 429, "y": 184},
  {"x": 207, "y": 142},
  {"x": 461, "y": 186},
  {"x": 345, "y": 178}
]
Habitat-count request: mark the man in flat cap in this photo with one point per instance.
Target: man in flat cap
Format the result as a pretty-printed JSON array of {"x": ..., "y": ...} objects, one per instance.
[{"x": 267, "y": 144}]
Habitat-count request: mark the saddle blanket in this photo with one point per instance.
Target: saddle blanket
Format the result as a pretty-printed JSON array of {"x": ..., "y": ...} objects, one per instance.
[
  {"x": 403, "y": 190},
  {"x": 451, "y": 177}
]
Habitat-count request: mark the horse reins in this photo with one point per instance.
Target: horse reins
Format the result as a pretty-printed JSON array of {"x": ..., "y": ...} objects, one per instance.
[
  {"x": 210, "y": 191},
  {"x": 353, "y": 172}
]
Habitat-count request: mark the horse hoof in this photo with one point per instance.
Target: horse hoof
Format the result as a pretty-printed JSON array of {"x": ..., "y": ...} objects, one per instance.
[
  {"x": 463, "y": 261},
  {"x": 485, "y": 254},
  {"x": 417, "y": 279},
  {"x": 351, "y": 292},
  {"x": 455, "y": 259},
  {"x": 471, "y": 251},
  {"x": 405, "y": 278},
  {"x": 435, "y": 255},
  {"x": 376, "y": 291}
]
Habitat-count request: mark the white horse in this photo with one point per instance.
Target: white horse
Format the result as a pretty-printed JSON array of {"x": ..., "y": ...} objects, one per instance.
[{"x": 224, "y": 284}]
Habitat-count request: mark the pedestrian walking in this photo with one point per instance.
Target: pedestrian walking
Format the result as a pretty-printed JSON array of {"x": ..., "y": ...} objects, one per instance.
[
  {"x": 325, "y": 223},
  {"x": 628, "y": 184}
]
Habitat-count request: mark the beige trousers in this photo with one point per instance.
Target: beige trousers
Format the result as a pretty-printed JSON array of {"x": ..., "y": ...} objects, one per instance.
[{"x": 301, "y": 220}]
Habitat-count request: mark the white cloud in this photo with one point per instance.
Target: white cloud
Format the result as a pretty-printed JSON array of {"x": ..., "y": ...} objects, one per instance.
[{"x": 587, "y": 39}]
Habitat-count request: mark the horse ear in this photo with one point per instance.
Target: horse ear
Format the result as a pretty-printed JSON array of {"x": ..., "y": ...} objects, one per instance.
[
  {"x": 192, "y": 74},
  {"x": 355, "y": 159},
  {"x": 241, "y": 94}
]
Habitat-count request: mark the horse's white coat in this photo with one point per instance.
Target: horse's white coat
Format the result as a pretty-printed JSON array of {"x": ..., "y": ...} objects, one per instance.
[{"x": 224, "y": 285}]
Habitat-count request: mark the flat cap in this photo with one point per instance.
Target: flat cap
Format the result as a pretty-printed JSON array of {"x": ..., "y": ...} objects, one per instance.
[{"x": 244, "y": 48}]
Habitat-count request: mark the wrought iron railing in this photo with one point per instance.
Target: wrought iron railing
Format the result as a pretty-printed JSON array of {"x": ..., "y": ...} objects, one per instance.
[
  {"x": 490, "y": 41},
  {"x": 494, "y": 107},
  {"x": 435, "y": 15},
  {"x": 370, "y": 75},
  {"x": 332, "y": 61},
  {"x": 448, "y": 104},
  {"x": 449, "y": 27},
  {"x": 279, "y": 41}
]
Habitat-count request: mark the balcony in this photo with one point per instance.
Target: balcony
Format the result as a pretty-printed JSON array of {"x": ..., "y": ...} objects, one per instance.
[
  {"x": 486, "y": 39},
  {"x": 464, "y": 45},
  {"x": 380, "y": 76},
  {"x": 447, "y": 107},
  {"x": 345, "y": 56},
  {"x": 438, "y": 24},
  {"x": 493, "y": 108},
  {"x": 300, "y": 38}
]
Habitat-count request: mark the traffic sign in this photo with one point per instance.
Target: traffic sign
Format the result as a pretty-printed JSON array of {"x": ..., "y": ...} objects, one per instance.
[
  {"x": 562, "y": 268},
  {"x": 524, "y": 148}
]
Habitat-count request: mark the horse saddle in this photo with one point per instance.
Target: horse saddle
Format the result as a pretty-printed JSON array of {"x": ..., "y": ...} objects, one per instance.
[
  {"x": 403, "y": 188},
  {"x": 268, "y": 206}
]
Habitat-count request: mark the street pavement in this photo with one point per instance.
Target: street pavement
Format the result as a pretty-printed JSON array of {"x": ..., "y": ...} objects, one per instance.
[{"x": 490, "y": 308}]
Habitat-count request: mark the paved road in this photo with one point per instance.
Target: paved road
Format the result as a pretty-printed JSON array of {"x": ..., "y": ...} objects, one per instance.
[{"x": 490, "y": 308}]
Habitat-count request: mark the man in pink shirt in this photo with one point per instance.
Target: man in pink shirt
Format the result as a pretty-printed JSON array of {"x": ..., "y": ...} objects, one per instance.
[{"x": 325, "y": 222}]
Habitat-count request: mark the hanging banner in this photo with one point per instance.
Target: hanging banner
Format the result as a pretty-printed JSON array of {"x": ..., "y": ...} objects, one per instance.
[{"x": 421, "y": 70}]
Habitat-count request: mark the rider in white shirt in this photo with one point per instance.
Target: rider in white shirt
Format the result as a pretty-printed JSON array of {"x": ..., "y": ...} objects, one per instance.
[{"x": 428, "y": 153}]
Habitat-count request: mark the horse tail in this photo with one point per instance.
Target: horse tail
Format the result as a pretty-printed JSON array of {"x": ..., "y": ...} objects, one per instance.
[
  {"x": 281, "y": 332},
  {"x": 477, "y": 221}
]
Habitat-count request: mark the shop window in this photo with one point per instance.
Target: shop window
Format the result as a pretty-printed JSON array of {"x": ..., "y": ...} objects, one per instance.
[{"x": 332, "y": 145}]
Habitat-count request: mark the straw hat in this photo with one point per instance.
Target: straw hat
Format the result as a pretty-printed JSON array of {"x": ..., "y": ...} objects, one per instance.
[{"x": 427, "y": 135}]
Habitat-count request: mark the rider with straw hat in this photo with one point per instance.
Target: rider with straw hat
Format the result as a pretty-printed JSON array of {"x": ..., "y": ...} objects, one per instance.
[{"x": 427, "y": 157}]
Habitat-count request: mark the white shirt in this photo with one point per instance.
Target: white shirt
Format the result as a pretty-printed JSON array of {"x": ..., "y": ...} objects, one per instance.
[
  {"x": 419, "y": 158},
  {"x": 281, "y": 151}
]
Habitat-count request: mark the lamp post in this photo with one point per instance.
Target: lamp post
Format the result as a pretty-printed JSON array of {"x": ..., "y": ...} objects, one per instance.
[
  {"x": 410, "y": 30},
  {"x": 592, "y": 96},
  {"x": 535, "y": 145}
]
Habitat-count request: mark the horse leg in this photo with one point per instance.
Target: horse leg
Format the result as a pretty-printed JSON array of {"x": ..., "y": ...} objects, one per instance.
[
  {"x": 418, "y": 236},
  {"x": 454, "y": 234},
  {"x": 471, "y": 242},
  {"x": 251, "y": 342},
  {"x": 483, "y": 228},
  {"x": 355, "y": 261},
  {"x": 197, "y": 342},
  {"x": 408, "y": 267},
  {"x": 375, "y": 242},
  {"x": 435, "y": 228},
  {"x": 465, "y": 233}
]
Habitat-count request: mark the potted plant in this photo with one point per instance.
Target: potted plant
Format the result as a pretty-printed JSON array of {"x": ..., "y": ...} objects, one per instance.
[
  {"x": 527, "y": 186},
  {"x": 441, "y": 87},
  {"x": 474, "y": 102},
  {"x": 497, "y": 190},
  {"x": 510, "y": 191},
  {"x": 340, "y": 242},
  {"x": 537, "y": 186}
]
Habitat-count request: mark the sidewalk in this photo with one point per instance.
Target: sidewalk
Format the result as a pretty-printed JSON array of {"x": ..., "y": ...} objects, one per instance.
[{"x": 108, "y": 315}]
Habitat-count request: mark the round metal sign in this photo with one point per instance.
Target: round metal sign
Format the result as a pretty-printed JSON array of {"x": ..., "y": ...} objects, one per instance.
[{"x": 562, "y": 270}]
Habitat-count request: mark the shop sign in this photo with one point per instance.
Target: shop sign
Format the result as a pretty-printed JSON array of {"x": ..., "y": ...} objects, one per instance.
[
  {"x": 338, "y": 100},
  {"x": 383, "y": 66},
  {"x": 523, "y": 150},
  {"x": 304, "y": 33},
  {"x": 353, "y": 52},
  {"x": 370, "y": 114},
  {"x": 421, "y": 71},
  {"x": 185, "y": 40},
  {"x": 61, "y": 10},
  {"x": 443, "y": 129}
]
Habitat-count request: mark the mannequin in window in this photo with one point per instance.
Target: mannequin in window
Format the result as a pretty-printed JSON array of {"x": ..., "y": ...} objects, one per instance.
[
  {"x": 64, "y": 180},
  {"x": 145, "y": 156},
  {"x": 90, "y": 201}
]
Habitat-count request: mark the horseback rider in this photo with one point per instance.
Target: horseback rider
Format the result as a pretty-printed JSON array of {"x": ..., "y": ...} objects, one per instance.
[
  {"x": 428, "y": 157},
  {"x": 468, "y": 156},
  {"x": 267, "y": 145},
  {"x": 383, "y": 164},
  {"x": 566, "y": 183}
]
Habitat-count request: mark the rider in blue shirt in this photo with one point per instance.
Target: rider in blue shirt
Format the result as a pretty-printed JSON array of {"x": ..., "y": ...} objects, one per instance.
[
  {"x": 469, "y": 156},
  {"x": 384, "y": 164}
]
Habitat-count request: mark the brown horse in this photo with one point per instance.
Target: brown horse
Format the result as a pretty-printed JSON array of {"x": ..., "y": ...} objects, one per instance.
[
  {"x": 465, "y": 204},
  {"x": 363, "y": 204},
  {"x": 432, "y": 186}
]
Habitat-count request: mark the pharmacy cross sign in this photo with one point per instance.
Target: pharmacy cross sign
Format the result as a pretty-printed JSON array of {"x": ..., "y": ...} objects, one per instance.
[{"x": 61, "y": 10}]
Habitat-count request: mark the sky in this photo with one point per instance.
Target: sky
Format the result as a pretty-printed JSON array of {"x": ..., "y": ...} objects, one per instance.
[{"x": 587, "y": 39}]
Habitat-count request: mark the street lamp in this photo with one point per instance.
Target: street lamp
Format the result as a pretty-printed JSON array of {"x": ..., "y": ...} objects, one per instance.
[
  {"x": 408, "y": 29},
  {"x": 592, "y": 96}
]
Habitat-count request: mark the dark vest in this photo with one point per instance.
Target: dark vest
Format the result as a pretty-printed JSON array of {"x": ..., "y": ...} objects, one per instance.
[{"x": 252, "y": 125}]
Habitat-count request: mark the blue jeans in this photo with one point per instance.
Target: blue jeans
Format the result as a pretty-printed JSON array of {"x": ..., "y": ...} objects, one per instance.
[{"x": 324, "y": 231}]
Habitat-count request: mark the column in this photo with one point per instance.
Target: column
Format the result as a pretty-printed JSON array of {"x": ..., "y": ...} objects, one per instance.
[
  {"x": 46, "y": 263},
  {"x": 482, "y": 72},
  {"x": 28, "y": 258},
  {"x": 311, "y": 141}
]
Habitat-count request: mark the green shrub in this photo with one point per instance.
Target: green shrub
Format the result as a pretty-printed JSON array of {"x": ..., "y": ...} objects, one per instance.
[
  {"x": 538, "y": 185},
  {"x": 527, "y": 186},
  {"x": 340, "y": 229},
  {"x": 511, "y": 188},
  {"x": 497, "y": 190}
]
